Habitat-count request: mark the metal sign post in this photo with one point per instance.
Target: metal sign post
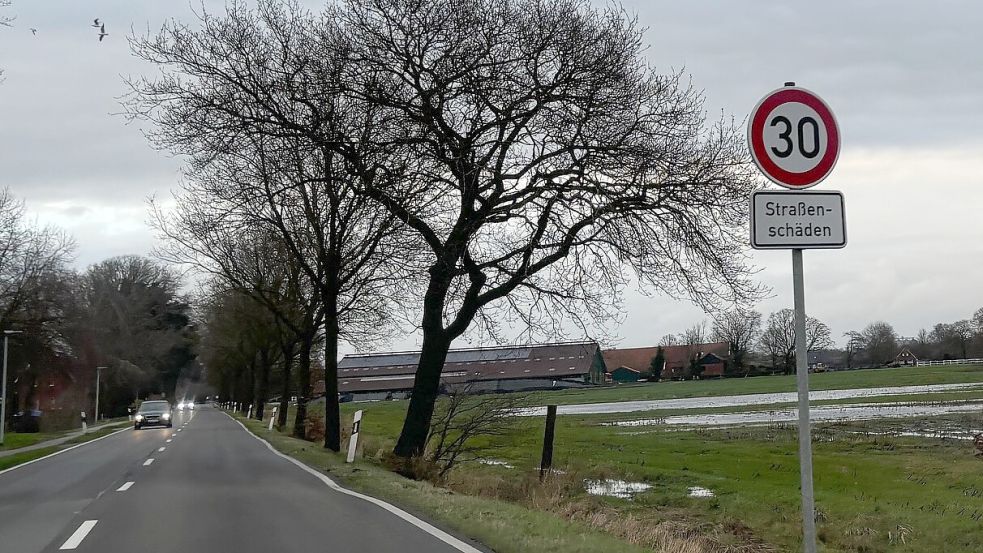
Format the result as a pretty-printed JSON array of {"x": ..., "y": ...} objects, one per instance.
[
  {"x": 802, "y": 381},
  {"x": 795, "y": 141}
]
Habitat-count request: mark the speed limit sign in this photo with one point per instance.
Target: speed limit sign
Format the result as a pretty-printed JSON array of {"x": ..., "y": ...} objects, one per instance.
[{"x": 793, "y": 137}]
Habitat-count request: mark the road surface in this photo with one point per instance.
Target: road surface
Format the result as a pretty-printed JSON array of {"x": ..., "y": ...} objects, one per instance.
[{"x": 205, "y": 485}]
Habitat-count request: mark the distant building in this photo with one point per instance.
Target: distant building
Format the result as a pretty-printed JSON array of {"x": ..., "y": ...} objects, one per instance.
[
  {"x": 906, "y": 358},
  {"x": 625, "y": 374},
  {"x": 678, "y": 359},
  {"x": 497, "y": 369}
]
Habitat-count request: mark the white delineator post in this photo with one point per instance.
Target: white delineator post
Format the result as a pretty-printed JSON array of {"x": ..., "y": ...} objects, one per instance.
[
  {"x": 273, "y": 417},
  {"x": 249, "y": 415},
  {"x": 353, "y": 441},
  {"x": 802, "y": 380}
]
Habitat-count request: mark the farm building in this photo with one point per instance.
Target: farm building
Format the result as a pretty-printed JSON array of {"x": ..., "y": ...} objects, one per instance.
[
  {"x": 625, "y": 374},
  {"x": 712, "y": 356},
  {"x": 906, "y": 358},
  {"x": 502, "y": 369}
]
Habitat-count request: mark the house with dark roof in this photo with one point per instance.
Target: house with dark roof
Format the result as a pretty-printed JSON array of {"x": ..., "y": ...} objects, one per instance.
[
  {"x": 495, "y": 369},
  {"x": 906, "y": 358},
  {"x": 678, "y": 359}
]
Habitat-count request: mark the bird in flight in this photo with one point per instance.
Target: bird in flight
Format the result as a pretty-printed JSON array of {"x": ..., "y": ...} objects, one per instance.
[
  {"x": 102, "y": 32},
  {"x": 95, "y": 22},
  {"x": 34, "y": 31}
]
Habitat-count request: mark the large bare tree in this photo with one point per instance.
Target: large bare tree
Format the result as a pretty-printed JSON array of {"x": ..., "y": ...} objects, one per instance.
[
  {"x": 250, "y": 98},
  {"x": 552, "y": 162},
  {"x": 741, "y": 328},
  {"x": 778, "y": 338}
]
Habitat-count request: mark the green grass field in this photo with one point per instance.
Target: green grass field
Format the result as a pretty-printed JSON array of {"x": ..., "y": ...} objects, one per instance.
[{"x": 875, "y": 493}]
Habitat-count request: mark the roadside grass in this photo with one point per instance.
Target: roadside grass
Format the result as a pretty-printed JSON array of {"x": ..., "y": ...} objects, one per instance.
[
  {"x": 503, "y": 526},
  {"x": 17, "y": 440},
  {"x": 20, "y": 458},
  {"x": 25, "y": 456},
  {"x": 875, "y": 493}
]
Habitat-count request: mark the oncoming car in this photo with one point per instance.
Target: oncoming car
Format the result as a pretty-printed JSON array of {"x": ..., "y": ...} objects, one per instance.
[{"x": 153, "y": 413}]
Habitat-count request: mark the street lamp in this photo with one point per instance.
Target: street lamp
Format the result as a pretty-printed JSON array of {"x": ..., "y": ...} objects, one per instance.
[
  {"x": 96, "y": 414},
  {"x": 3, "y": 387}
]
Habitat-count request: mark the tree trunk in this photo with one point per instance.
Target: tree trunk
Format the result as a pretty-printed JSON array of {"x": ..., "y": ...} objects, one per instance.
[
  {"x": 262, "y": 386},
  {"x": 332, "y": 412},
  {"x": 426, "y": 387},
  {"x": 304, "y": 387},
  {"x": 288, "y": 363}
]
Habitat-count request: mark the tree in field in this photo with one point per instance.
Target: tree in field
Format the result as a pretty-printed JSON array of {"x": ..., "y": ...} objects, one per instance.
[
  {"x": 545, "y": 165},
  {"x": 741, "y": 328},
  {"x": 854, "y": 348},
  {"x": 252, "y": 98},
  {"x": 880, "y": 343},
  {"x": 778, "y": 338},
  {"x": 657, "y": 365},
  {"x": 953, "y": 339}
]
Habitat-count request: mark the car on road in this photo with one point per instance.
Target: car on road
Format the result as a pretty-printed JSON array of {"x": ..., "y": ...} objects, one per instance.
[{"x": 153, "y": 413}]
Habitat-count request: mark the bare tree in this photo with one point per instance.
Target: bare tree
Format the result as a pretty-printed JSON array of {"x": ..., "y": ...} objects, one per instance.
[
  {"x": 668, "y": 340},
  {"x": 778, "y": 338},
  {"x": 262, "y": 128},
  {"x": 463, "y": 422},
  {"x": 544, "y": 165},
  {"x": 741, "y": 328},
  {"x": 880, "y": 343}
]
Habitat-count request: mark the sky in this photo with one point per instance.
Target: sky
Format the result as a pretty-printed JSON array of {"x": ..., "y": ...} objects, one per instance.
[{"x": 905, "y": 80}]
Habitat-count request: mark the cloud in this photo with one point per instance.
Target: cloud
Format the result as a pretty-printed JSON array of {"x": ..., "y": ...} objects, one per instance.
[{"x": 903, "y": 78}]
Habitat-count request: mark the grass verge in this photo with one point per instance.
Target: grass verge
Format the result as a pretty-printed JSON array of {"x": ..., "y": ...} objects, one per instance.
[
  {"x": 15, "y": 459},
  {"x": 502, "y": 526}
]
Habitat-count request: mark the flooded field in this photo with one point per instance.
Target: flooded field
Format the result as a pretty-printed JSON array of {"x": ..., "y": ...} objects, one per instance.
[
  {"x": 827, "y": 413},
  {"x": 746, "y": 400}
]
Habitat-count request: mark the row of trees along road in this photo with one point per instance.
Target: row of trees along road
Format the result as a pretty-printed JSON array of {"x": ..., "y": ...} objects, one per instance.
[
  {"x": 124, "y": 313},
  {"x": 465, "y": 165}
]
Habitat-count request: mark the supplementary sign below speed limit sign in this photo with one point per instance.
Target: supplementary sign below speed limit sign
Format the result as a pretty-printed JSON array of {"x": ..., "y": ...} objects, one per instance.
[
  {"x": 793, "y": 137},
  {"x": 808, "y": 219}
]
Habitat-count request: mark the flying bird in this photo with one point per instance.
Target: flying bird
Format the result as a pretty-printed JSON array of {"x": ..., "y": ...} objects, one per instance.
[
  {"x": 95, "y": 22},
  {"x": 34, "y": 31},
  {"x": 102, "y": 32}
]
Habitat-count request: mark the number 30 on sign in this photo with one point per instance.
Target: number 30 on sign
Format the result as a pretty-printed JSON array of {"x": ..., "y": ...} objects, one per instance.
[{"x": 793, "y": 137}]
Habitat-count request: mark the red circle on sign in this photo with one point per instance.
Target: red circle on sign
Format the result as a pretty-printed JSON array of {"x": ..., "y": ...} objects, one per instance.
[{"x": 759, "y": 151}]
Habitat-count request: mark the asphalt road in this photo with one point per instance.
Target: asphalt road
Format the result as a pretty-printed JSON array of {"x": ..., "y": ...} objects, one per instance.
[{"x": 205, "y": 485}]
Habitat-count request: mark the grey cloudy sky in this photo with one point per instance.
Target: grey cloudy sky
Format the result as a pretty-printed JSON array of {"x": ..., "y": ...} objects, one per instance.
[{"x": 905, "y": 80}]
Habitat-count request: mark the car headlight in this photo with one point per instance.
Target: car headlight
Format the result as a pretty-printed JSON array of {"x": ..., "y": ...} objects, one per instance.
[
  {"x": 166, "y": 416},
  {"x": 138, "y": 418}
]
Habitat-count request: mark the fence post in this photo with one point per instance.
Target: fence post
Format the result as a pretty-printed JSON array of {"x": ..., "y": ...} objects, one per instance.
[
  {"x": 273, "y": 418},
  {"x": 547, "y": 461}
]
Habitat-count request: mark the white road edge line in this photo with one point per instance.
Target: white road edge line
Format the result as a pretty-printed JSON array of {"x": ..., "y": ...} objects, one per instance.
[
  {"x": 75, "y": 539},
  {"x": 422, "y": 525},
  {"x": 59, "y": 452},
  {"x": 161, "y": 448},
  {"x": 148, "y": 461},
  {"x": 125, "y": 487}
]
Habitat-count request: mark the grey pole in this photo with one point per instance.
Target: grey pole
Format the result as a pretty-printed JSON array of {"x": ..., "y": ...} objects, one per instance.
[
  {"x": 3, "y": 394},
  {"x": 95, "y": 416},
  {"x": 3, "y": 387},
  {"x": 802, "y": 376}
]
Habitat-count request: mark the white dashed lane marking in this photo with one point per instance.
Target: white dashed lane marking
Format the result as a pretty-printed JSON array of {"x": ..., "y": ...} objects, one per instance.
[
  {"x": 79, "y": 535},
  {"x": 148, "y": 461},
  {"x": 125, "y": 487},
  {"x": 168, "y": 441},
  {"x": 161, "y": 448}
]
